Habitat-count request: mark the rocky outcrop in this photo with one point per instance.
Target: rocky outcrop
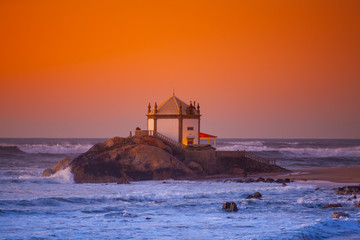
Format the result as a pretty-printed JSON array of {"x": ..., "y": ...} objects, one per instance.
[
  {"x": 261, "y": 179},
  {"x": 128, "y": 159},
  {"x": 137, "y": 158},
  {"x": 62, "y": 164},
  {"x": 339, "y": 214},
  {"x": 230, "y": 206},
  {"x": 196, "y": 167},
  {"x": 348, "y": 190}
]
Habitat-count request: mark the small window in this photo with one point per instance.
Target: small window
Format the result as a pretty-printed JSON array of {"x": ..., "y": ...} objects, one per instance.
[{"x": 190, "y": 128}]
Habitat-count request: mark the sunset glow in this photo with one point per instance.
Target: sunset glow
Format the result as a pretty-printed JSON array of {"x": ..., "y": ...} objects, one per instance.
[{"x": 269, "y": 69}]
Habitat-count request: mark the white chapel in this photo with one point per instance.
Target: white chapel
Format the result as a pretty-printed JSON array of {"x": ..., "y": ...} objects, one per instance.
[{"x": 176, "y": 120}]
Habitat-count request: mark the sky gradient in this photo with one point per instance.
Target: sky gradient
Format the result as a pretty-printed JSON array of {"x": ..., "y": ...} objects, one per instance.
[{"x": 259, "y": 69}]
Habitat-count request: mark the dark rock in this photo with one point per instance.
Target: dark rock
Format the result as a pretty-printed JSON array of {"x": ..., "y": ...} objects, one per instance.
[
  {"x": 332, "y": 205},
  {"x": 250, "y": 180},
  {"x": 287, "y": 180},
  {"x": 316, "y": 189},
  {"x": 148, "y": 218},
  {"x": 284, "y": 184},
  {"x": 123, "y": 181},
  {"x": 280, "y": 181},
  {"x": 195, "y": 166},
  {"x": 357, "y": 204},
  {"x": 347, "y": 190},
  {"x": 61, "y": 165},
  {"x": 256, "y": 195},
  {"x": 352, "y": 198},
  {"x": 260, "y": 179},
  {"x": 47, "y": 172},
  {"x": 339, "y": 214},
  {"x": 269, "y": 180},
  {"x": 230, "y": 206},
  {"x": 238, "y": 180}
]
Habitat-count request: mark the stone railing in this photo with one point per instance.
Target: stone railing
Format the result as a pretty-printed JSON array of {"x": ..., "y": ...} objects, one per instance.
[
  {"x": 230, "y": 154},
  {"x": 239, "y": 154},
  {"x": 260, "y": 159},
  {"x": 172, "y": 142},
  {"x": 168, "y": 140}
]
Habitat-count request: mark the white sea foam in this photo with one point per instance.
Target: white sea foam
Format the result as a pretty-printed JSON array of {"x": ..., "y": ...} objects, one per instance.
[
  {"x": 174, "y": 209},
  {"x": 64, "y": 175},
  {"x": 55, "y": 149},
  {"x": 246, "y": 143},
  {"x": 283, "y": 212},
  {"x": 295, "y": 152},
  {"x": 244, "y": 146}
]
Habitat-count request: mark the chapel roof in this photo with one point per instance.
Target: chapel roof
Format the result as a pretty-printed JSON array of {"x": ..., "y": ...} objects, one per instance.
[{"x": 172, "y": 107}]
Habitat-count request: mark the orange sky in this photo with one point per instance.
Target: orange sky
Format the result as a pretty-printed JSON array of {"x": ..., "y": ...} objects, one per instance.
[{"x": 260, "y": 69}]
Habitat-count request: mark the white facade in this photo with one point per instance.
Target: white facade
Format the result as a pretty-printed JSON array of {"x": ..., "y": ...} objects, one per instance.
[
  {"x": 176, "y": 120},
  {"x": 150, "y": 125},
  {"x": 190, "y": 129},
  {"x": 169, "y": 128}
]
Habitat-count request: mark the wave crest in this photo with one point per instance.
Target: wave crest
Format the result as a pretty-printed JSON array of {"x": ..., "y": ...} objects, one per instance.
[
  {"x": 47, "y": 148},
  {"x": 293, "y": 150},
  {"x": 64, "y": 175}
]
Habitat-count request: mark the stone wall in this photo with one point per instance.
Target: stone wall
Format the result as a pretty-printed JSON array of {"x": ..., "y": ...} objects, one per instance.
[
  {"x": 205, "y": 155},
  {"x": 224, "y": 162}
]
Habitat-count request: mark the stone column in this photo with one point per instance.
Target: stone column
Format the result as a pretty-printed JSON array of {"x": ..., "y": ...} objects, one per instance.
[
  {"x": 155, "y": 124},
  {"x": 198, "y": 131},
  {"x": 180, "y": 129}
]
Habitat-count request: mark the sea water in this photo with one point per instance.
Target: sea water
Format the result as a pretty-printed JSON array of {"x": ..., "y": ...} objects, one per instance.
[{"x": 32, "y": 207}]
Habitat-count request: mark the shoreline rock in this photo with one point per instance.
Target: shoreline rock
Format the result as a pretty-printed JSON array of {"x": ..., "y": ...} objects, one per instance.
[
  {"x": 122, "y": 160},
  {"x": 339, "y": 214},
  {"x": 230, "y": 206},
  {"x": 128, "y": 159},
  {"x": 348, "y": 190},
  {"x": 61, "y": 165},
  {"x": 256, "y": 195}
]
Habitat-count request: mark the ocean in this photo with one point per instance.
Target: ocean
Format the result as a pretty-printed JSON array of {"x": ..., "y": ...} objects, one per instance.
[{"x": 32, "y": 207}]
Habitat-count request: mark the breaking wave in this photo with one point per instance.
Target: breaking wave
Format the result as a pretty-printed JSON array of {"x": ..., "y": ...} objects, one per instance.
[
  {"x": 46, "y": 148},
  {"x": 293, "y": 149},
  {"x": 58, "y": 148},
  {"x": 64, "y": 175},
  {"x": 10, "y": 150}
]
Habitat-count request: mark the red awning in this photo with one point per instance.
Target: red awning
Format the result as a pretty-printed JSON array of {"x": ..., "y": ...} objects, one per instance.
[{"x": 205, "y": 135}]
